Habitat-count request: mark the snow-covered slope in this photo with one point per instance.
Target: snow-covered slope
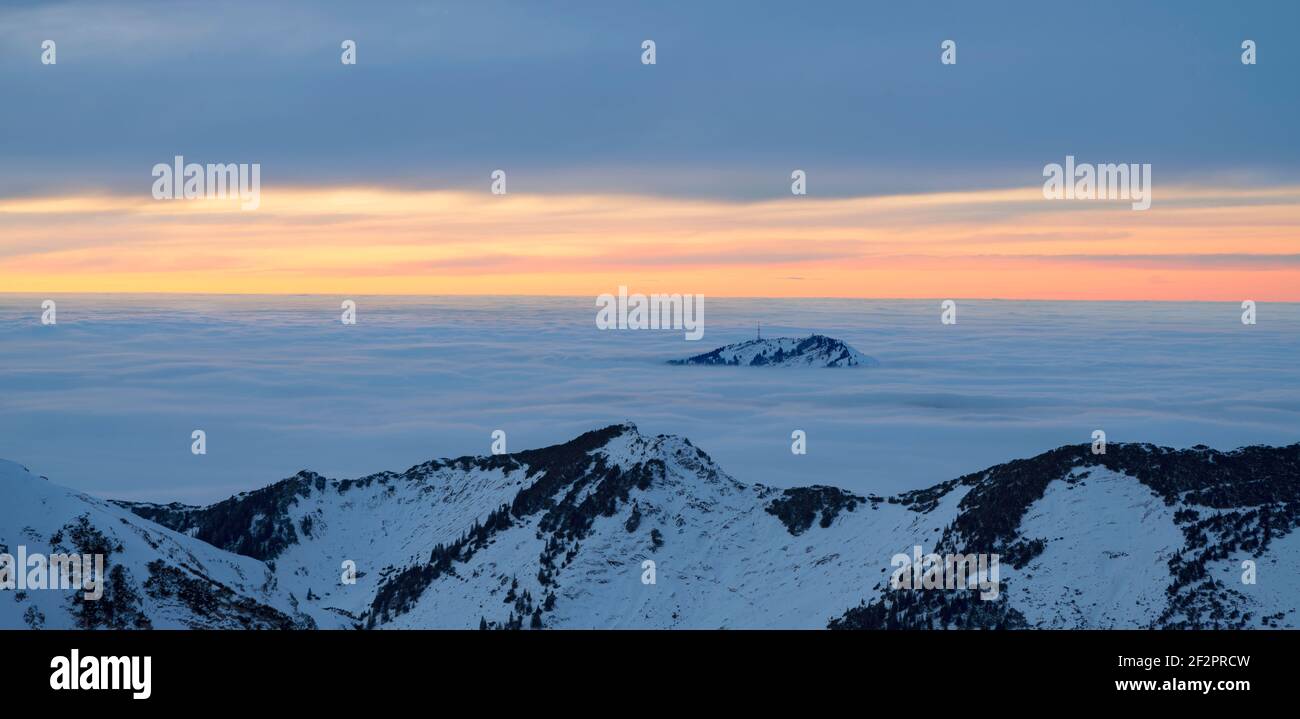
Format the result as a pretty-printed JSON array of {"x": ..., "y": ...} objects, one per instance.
[
  {"x": 811, "y": 351},
  {"x": 153, "y": 577},
  {"x": 1141, "y": 536},
  {"x": 561, "y": 536}
]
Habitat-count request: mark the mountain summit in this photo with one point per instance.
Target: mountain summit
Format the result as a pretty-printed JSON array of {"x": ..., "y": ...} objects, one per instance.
[{"x": 811, "y": 351}]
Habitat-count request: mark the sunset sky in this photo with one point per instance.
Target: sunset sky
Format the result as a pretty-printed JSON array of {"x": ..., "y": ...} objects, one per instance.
[{"x": 924, "y": 180}]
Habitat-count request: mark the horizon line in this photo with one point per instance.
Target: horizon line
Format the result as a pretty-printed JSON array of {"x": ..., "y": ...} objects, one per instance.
[{"x": 572, "y": 296}]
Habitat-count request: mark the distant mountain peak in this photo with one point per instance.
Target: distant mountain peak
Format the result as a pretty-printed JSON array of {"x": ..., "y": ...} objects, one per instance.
[{"x": 811, "y": 351}]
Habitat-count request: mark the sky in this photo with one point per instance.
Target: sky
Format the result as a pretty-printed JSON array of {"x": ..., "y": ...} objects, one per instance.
[{"x": 923, "y": 179}]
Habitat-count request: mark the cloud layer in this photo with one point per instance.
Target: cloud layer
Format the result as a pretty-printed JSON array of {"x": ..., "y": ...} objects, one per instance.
[
  {"x": 105, "y": 400},
  {"x": 742, "y": 93}
]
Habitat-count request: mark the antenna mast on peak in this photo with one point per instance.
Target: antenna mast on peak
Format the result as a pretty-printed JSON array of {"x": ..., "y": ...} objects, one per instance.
[{"x": 760, "y": 331}]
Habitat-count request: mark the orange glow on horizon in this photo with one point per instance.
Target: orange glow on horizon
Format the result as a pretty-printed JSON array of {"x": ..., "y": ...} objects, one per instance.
[{"x": 1193, "y": 244}]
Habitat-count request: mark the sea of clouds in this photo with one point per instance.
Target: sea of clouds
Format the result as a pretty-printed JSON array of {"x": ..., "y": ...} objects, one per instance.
[{"x": 105, "y": 400}]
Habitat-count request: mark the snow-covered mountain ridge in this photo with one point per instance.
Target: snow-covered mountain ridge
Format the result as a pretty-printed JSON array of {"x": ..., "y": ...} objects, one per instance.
[{"x": 1140, "y": 536}]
